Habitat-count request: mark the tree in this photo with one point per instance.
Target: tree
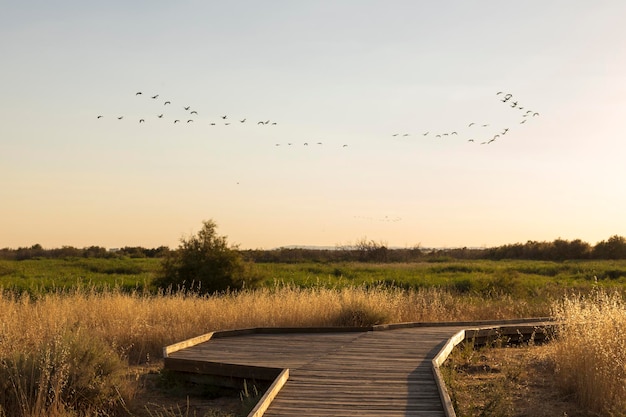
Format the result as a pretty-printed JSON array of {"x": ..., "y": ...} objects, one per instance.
[{"x": 204, "y": 262}]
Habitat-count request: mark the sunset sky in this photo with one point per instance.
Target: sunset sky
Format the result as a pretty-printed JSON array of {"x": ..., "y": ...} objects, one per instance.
[{"x": 349, "y": 74}]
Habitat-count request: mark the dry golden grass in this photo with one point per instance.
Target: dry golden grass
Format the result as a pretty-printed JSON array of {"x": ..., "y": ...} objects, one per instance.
[
  {"x": 590, "y": 351},
  {"x": 61, "y": 354}
]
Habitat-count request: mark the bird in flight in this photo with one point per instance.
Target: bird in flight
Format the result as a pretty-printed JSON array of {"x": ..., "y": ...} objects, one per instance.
[
  {"x": 141, "y": 120},
  {"x": 535, "y": 114},
  {"x": 176, "y": 121},
  {"x": 194, "y": 112},
  {"x": 120, "y": 118},
  {"x": 187, "y": 108},
  {"x": 242, "y": 121},
  {"x": 190, "y": 120},
  {"x": 155, "y": 96},
  {"x": 160, "y": 116},
  {"x": 99, "y": 117},
  {"x": 395, "y": 134},
  {"x": 138, "y": 93},
  {"x": 426, "y": 133},
  {"x": 224, "y": 117},
  {"x": 167, "y": 102},
  {"x": 471, "y": 124}
]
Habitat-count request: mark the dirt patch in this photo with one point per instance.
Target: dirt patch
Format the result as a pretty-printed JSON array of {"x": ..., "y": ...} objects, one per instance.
[{"x": 506, "y": 381}]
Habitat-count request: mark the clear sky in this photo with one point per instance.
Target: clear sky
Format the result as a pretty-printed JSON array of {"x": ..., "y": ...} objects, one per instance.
[{"x": 349, "y": 74}]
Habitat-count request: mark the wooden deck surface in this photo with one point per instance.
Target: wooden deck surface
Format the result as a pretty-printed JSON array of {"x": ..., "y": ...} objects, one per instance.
[{"x": 368, "y": 373}]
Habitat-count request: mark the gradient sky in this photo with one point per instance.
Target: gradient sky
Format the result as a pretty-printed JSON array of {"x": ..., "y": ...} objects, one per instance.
[{"x": 341, "y": 72}]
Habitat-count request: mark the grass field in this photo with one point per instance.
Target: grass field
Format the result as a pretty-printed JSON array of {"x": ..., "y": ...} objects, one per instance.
[
  {"x": 516, "y": 278},
  {"x": 70, "y": 328}
]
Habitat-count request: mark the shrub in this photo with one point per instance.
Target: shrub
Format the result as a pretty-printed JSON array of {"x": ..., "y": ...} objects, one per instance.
[{"x": 204, "y": 263}]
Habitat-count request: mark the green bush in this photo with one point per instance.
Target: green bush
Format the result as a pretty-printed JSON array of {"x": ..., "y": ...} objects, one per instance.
[{"x": 204, "y": 263}]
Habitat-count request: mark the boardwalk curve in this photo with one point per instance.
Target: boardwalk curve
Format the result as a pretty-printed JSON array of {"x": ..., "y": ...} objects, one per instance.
[{"x": 386, "y": 370}]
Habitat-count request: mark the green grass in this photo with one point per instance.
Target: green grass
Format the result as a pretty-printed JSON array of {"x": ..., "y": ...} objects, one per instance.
[
  {"x": 481, "y": 277},
  {"x": 526, "y": 279},
  {"x": 43, "y": 275}
]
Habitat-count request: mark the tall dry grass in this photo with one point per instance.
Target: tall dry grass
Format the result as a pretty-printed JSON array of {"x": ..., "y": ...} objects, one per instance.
[
  {"x": 63, "y": 354},
  {"x": 590, "y": 351}
]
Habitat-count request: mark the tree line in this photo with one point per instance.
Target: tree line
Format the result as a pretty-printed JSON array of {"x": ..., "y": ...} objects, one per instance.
[{"x": 362, "y": 251}]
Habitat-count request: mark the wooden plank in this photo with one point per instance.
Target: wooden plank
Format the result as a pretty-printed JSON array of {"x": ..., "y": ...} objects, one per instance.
[
  {"x": 167, "y": 350},
  {"x": 270, "y": 394},
  {"x": 222, "y": 369}
]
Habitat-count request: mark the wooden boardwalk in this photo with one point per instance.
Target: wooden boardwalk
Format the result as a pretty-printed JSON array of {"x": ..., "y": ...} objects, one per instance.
[{"x": 330, "y": 373}]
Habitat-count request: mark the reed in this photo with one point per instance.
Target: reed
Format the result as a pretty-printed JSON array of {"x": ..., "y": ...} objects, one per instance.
[
  {"x": 64, "y": 353},
  {"x": 590, "y": 351}
]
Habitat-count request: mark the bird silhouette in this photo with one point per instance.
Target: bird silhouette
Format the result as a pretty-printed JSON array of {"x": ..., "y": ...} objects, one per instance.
[
  {"x": 212, "y": 124},
  {"x": 344, "y": 146},
  {"x": 504, "y": 131},
  {"x": 242, "y": 121},
  {"x": 190, "y": 120},
  {"x": 120, "y": 118},
  {"x": 141, "y": 120},
  {"x": 99, "y": 117},
  {"x": 138, "y": 93},
  {"x": 194, "y": 112},
  {"x": 167, "y": 102},
  {"x": 454, "y": 133},
  {"x": 426, "y": 133},
  {"x": 260, "y": 123},
  {"x": 160, "y": 116},
  {"x": 395, "y": 134},
  {"x": 187, "y": 108},
  {"x": 535, "y": 114},
  {"x": 274, "y": 123},
  {"x": 471, "y": 124},
  {"x": 155, "y": 96},
  {"x": 470, "y": 140},
  {"x": 176, "y": 121},
  {"x": 224, "y": 117},
  {"x": 306, "y": 144}
]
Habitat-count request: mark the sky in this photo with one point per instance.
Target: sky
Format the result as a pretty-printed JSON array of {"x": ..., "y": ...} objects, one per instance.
[{"x": 370, "y": 106}]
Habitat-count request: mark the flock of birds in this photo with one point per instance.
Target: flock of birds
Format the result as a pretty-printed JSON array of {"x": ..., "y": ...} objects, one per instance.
[
  {"x": 480, "y": 129},
  {"x": 479, "y": 133},
  {"x": 191, "y": 115}
]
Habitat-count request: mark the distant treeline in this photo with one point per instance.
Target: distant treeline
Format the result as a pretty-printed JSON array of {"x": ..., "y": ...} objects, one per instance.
[
  {"x": 37, "y": 251},
  {"x": 363, "y": 251}
]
